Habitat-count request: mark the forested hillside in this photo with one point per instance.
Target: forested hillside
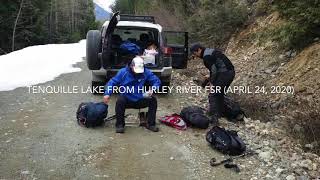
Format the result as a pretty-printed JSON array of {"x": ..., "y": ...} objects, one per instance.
[
  {"x": 213, "y": 22},
  {"x": 32, "y": 22}
]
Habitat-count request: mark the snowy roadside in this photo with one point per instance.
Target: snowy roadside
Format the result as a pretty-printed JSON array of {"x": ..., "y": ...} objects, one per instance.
[{"x": 39, "y": 64}]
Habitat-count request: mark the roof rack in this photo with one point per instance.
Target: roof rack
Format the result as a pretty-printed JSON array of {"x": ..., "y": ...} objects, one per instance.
[{"x": 127, "y": 17}]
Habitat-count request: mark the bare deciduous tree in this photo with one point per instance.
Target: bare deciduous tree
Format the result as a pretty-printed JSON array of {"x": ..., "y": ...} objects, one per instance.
[{"x": 15, "y": 24}]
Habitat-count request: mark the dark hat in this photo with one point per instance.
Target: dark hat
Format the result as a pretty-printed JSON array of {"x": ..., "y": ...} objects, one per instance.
[
  {"x": 152, "y": 42},
  {"x": 195, "y": 46}
]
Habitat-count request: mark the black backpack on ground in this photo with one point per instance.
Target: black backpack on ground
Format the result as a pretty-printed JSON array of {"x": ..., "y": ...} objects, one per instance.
[
  {"x": 91, "y": 114},
  {"x": 195, "y": 116},
  {"x": 232, "y": 110},
  {"x": 227, "y": 142}
]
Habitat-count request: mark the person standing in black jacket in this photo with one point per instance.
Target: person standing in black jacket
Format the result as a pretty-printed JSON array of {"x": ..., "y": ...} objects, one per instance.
[{"x": 221, "y": 75}]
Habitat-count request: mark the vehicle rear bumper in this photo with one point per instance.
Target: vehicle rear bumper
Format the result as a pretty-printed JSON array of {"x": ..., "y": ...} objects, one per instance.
[{"x": 164, "y": 72}]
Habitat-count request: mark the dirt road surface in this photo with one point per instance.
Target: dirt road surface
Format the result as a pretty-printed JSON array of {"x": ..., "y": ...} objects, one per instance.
[{"x": 39, "y": 139}]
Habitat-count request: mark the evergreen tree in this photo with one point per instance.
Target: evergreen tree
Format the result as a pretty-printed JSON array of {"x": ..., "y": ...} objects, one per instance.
[{"x": 31, "y": 22}]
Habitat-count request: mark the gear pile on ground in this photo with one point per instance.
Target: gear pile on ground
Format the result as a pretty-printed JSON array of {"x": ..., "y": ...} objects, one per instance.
[{"x": 278, "y": 155}]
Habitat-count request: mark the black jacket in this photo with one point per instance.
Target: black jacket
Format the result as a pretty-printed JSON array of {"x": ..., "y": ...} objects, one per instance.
[{"x": 216, "y": 62}]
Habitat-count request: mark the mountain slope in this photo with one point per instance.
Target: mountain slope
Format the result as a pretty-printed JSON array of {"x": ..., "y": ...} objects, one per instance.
[
  {"x": 263, "y": 64},
  {"x": 101, "y": 14}
]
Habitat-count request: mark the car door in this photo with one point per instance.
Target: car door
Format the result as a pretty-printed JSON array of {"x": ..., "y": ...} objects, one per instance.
[
  {"x": 113, "y": 23},
  {"x": 107, "y": 34},
  {"x": 178, "y": 42}
]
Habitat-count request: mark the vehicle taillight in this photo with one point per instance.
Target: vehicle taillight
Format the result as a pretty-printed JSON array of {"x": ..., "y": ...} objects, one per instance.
[{"x": 167, "y": 50}]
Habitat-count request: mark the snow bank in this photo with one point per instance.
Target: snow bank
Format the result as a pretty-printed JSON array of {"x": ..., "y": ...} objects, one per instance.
[{"x": 39, "y": 64}]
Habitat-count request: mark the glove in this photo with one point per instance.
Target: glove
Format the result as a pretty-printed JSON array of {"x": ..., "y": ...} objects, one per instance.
[{"x": 147, "y": 94}]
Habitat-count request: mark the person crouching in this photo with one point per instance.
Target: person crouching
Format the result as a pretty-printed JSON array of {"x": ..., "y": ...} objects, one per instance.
[{"x": 134, "y": 76}]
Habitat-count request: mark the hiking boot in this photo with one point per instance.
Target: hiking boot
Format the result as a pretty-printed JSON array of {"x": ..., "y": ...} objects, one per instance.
[
  {"x": 153, "y": 128},
  {"x": 143, "y": 119},
  {"x": 119, "y": 129},
  {"x": 214, "y": 120},
  {"x": 240, "y": 117}
]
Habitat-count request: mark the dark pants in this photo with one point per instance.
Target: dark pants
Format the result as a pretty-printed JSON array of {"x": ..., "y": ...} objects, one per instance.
[
  {"x": 123, "y": 103},
  {"x": 216, "y": 100}
]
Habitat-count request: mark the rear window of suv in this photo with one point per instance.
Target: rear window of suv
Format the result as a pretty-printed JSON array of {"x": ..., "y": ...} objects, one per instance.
[{"x": 135, "y": 35}]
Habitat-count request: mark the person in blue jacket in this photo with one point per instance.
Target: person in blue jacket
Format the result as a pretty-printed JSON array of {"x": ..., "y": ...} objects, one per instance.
[{"x": 131, "y": 80}]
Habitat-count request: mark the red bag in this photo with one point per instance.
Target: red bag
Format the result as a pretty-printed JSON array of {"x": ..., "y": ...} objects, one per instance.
[{"x": 175, "y": 121}]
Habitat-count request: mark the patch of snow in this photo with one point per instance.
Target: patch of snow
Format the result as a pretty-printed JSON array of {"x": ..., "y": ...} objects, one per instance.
[{"x": 39, "y": 64}]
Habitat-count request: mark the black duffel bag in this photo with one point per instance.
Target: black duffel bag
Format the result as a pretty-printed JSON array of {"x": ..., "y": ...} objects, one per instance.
[
  {"x": 195, "y": 116},
  {"x": 90, "y": 114}
]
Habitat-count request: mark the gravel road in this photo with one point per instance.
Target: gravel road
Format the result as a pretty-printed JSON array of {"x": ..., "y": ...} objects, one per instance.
[{"x": 39, "y": 139}]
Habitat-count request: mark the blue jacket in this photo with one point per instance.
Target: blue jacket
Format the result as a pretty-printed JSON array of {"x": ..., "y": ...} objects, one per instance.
[{"x": 125, "y": 78}]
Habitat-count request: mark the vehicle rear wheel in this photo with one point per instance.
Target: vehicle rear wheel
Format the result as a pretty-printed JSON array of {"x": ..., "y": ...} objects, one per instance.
[{"x": 93, "y": 49}]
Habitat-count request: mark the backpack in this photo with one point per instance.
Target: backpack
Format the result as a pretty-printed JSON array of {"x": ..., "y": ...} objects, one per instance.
[
  {"x": 227, "y": 142},
  {"x": 232, "y": 110},
  {"x": 91, "y": 114},
  {"x": 130, "y": 48},
  {"x": 175, "y": 121},
  {"x": 195, "y": 116}
]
